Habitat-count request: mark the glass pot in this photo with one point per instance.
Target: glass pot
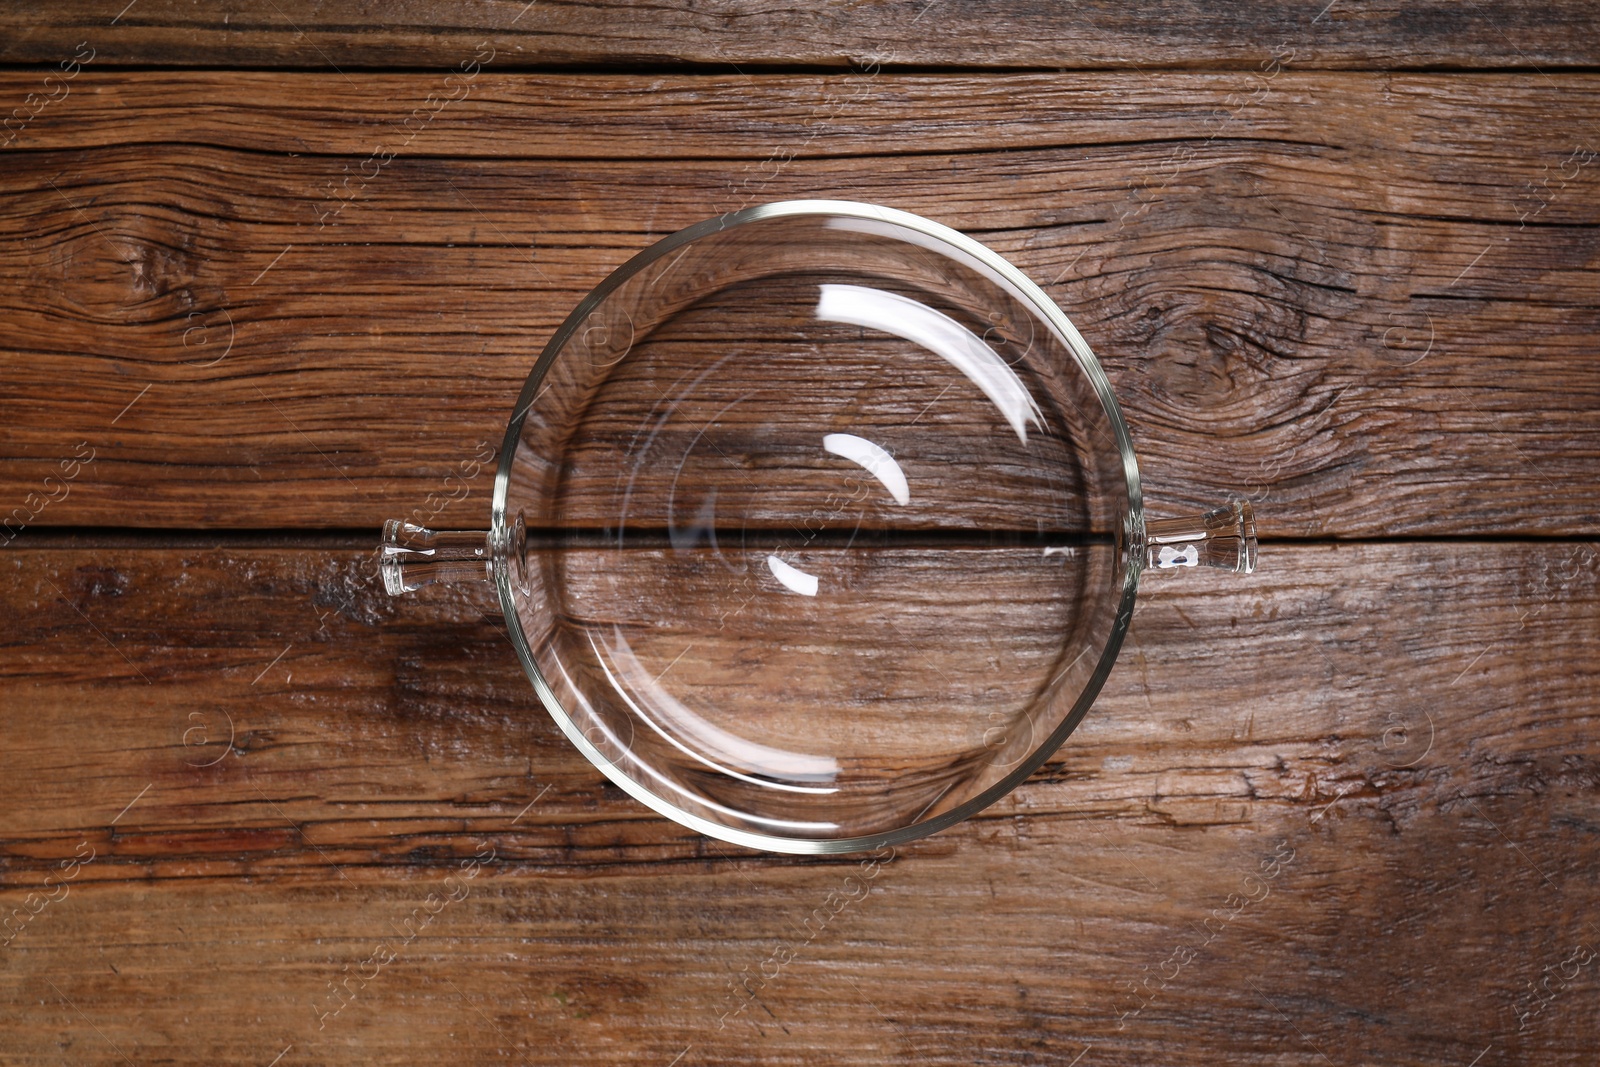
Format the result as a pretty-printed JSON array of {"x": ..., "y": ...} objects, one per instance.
[{"x": 817, "y": 527}]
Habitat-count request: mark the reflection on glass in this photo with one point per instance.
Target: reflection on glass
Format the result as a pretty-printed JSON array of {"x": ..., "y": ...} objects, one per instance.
[
  {"x": 874, "y": 460},
  {"x": 793, "y": 578},
  {"x": 875, "y": 309},
  {"x": 713, "y": 746}
]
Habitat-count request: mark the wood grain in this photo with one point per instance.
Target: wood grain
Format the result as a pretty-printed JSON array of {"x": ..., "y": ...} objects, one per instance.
[
  {"x": 1301, "y": 275},
  {"x": 1411, "y": 771},
  {"x": 1350, "y": 34}
]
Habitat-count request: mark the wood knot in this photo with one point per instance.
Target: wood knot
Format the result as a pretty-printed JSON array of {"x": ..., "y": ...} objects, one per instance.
[
  {"x": 1225, "y": 333},
  {"x": 122, "y": 263},
  {"x": 125, "y": 256},
  {"x": 1212, "y": 339}
]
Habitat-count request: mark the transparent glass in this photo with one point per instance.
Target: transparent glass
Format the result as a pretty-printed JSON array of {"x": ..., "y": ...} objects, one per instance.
[{"x": 817, "y": 527}]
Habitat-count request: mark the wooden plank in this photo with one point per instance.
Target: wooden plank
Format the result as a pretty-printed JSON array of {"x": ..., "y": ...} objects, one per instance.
[
  {"x": 1026, "y": 940},
  {"x": 1350, "y": 34},
  {"x": 348, "y": 707},
  {"x": 1284, "y": 301},
  {"x": 1215, "y": 865}
]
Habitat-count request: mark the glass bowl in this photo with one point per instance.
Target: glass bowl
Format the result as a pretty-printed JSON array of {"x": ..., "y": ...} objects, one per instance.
[{"x": 817, "y": 527}]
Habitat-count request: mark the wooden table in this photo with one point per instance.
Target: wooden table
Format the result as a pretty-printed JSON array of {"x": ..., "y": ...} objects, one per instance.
[{"x": 271, "y": 275}]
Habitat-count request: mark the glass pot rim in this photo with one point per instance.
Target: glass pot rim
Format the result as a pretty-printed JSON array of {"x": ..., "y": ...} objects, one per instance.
[{"x": 944, "y": 239}]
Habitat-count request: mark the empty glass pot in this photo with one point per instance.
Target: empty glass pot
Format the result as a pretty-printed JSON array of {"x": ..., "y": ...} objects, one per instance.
[{"x": 817, "y": 527}]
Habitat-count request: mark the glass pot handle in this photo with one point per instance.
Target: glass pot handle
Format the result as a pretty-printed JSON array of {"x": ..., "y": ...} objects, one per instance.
[
  {"x": 1224, "y": 538},
  {"x": 412, "y": 556}
]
